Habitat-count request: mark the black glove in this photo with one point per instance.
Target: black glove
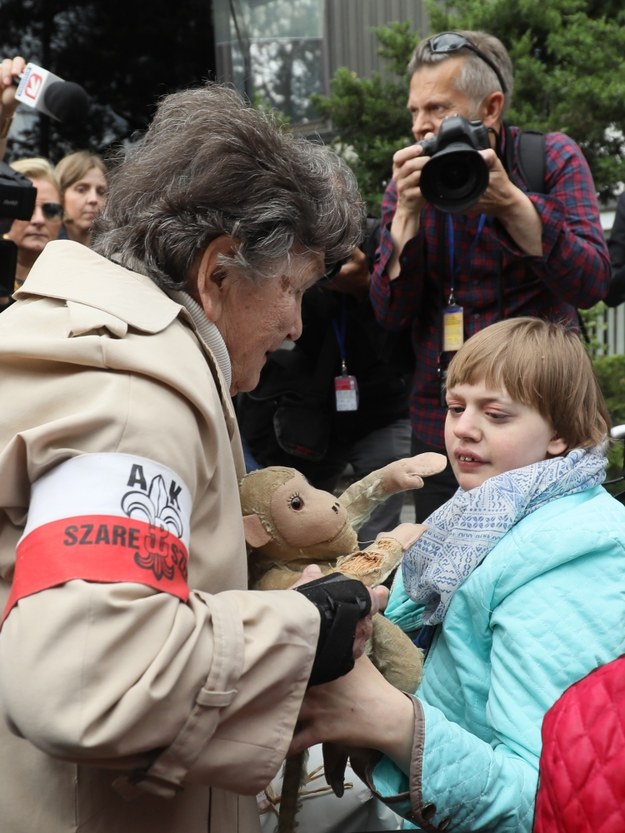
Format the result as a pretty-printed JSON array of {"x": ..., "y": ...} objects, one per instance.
[{"x": 342, "y": 602}]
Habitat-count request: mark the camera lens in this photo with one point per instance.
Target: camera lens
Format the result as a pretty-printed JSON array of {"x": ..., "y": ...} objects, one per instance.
[
  {"x": 454, "y": 179},
  {"x": 457, "y": 177}
]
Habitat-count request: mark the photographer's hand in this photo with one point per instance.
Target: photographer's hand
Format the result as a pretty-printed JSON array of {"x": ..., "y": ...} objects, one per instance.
[
  {"x": 353, "y": 277},
  {"x": 407, "y": 166},
  {"x": 511, "y": 206}
]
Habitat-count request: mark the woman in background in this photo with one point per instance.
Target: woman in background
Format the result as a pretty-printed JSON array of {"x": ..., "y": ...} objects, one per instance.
[
  {"x": 83, "y": 179},
  {"x": 31, "y": 236}
]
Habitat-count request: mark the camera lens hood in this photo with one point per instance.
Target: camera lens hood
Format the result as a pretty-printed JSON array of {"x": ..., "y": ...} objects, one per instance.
[{"x": 454, "y": 178}]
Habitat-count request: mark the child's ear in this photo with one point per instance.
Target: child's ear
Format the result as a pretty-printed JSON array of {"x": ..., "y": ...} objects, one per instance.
[{"x": 557, "y": 446}]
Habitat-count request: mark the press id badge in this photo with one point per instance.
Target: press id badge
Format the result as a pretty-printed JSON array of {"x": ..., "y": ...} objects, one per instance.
[
  {"x": 346, "y": 392},
  {"x": 453, "y": 328}
]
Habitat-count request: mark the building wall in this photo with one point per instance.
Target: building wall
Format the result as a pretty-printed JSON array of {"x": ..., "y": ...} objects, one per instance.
[
  {"x": 263, "y": 46},
  {"x": 349, "y": 38}
]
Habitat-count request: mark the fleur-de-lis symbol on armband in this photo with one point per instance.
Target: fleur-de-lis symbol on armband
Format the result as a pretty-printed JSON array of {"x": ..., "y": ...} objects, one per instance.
[{"x": 156, "y": 509}]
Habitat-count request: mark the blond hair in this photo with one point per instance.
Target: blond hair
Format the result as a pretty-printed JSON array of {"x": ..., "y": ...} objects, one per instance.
[
  {"x": 37, "y": 167},
  {"x": 541, "y": 364}
]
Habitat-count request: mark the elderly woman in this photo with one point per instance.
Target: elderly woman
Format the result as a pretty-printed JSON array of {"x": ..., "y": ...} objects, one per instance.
[
  {"x": 144, "y": 686},
  {"x": 83, "y": 180}
]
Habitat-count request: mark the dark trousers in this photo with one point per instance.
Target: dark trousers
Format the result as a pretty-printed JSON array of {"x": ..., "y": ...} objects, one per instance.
[{"x": 437, "y": 488}]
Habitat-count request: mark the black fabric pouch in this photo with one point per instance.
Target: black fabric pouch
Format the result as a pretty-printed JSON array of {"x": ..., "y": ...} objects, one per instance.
[{"x": 302, "y": 429}]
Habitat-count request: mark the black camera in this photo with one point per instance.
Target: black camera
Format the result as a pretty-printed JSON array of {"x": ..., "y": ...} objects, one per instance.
[
  {"x": 17, "y": 202},
  {"x": 456, "y": 176}
]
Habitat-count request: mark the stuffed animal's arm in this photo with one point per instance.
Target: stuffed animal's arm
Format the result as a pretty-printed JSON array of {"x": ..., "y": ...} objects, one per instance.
[
  {"x": 371, "y": 565},
  {"x": 362, "y": 497},
  {"x": 375, "y": 563}
]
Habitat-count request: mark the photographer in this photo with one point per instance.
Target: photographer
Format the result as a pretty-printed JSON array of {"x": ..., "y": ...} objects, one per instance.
[{"x": 513, "y": 252}]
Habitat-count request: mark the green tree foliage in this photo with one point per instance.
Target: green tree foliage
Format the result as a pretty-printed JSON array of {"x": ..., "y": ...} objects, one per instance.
[
  {"x": 569, "y": 59},
  {"x": 610, "y": 371},
  {"x": 369, "y": 115}
]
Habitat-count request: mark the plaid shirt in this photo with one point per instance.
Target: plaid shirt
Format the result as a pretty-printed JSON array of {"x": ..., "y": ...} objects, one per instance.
[{"x": 494, "y": 279}]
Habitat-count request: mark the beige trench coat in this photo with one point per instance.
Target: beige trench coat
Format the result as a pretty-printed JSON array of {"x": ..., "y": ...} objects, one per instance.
[{"x": 129, "y": 709}]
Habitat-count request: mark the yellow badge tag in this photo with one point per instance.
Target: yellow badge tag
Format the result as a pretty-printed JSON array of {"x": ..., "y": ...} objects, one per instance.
[{"x": 453, "y": 328}]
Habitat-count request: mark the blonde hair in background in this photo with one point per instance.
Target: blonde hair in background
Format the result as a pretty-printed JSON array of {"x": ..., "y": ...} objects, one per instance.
[
  {"x": 541, "y": 364},
  {"x": 37, "y": 167}
]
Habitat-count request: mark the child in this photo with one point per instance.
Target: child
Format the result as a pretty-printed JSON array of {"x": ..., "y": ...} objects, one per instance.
[{"x": 519, "y": 582}]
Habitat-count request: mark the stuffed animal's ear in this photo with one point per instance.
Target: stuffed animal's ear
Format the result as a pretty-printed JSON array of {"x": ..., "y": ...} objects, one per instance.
[{"x": 255, "y": 533}]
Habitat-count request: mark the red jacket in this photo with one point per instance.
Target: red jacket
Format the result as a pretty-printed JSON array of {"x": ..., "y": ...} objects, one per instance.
[{"x": 581, "y": 786}]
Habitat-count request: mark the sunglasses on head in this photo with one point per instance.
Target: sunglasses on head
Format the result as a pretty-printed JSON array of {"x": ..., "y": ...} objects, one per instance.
[
  {"x": 449, "y": 42},
  {"x": 51, "y": 210}
]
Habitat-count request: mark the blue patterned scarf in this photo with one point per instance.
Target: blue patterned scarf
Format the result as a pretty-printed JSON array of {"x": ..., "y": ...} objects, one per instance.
[{"x": 462, "y": 532}]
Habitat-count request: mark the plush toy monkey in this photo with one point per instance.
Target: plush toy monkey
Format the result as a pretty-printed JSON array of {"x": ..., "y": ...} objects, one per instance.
[{"x": 289, "y": 524}]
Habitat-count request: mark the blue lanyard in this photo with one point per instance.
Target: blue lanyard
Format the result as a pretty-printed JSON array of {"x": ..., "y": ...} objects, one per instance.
[
  {"x": 340, "y": 331},
  {"x": 451, "y": 248}
]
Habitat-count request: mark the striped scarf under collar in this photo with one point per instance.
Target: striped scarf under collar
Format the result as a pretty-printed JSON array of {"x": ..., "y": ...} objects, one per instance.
[{"x": 462, "y": 532}]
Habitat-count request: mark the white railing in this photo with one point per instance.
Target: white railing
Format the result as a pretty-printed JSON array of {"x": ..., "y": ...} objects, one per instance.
[{"x": 610, "y": 331}]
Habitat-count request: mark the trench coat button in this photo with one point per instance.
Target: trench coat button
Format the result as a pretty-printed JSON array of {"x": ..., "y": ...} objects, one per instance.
[{"x": 445, "y": 823}]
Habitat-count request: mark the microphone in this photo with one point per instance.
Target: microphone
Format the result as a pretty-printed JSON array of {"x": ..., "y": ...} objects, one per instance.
[{"x": 60, "y": 100}]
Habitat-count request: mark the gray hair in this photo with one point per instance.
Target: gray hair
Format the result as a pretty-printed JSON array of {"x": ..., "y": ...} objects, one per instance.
[
  {"x": 209, "y": 165},
  {"x": 476, "y": 79}
]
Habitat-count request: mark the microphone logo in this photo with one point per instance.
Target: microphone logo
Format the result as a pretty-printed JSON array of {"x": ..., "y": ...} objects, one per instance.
[
  {"x": 46, "y": 92},
  {"x": 33, "y": 86}
]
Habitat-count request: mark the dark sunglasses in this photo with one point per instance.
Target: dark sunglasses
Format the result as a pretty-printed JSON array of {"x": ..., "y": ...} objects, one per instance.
[
  {"x": 448, "y": 42},
  {"x": 51, "y": 210}
]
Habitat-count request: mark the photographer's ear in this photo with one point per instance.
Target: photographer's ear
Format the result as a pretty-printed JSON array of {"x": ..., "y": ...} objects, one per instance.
[{"x": 491, "y": 109}]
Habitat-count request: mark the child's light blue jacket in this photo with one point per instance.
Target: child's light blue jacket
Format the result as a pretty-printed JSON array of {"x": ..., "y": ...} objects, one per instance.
[{"x": 545, "y": 607}]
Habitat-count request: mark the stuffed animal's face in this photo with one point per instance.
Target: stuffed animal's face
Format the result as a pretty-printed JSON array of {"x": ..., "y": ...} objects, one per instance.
[{"x": 287, "y": 518}]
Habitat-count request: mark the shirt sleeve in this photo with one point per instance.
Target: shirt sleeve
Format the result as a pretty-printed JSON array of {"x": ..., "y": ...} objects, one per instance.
[
  {"x": 396, "y": 303},
  {"x": 575, "y": 264}
]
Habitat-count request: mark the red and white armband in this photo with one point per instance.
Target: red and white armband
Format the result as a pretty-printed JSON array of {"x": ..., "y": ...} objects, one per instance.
[{"x": 105, "y": 518}]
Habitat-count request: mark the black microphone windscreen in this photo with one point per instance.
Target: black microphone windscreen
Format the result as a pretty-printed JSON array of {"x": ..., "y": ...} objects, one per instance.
[{"x": 66, "y": 101}]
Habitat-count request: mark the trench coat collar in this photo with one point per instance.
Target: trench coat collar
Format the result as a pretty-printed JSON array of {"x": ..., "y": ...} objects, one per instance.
[{"x": 69, "y": 271}]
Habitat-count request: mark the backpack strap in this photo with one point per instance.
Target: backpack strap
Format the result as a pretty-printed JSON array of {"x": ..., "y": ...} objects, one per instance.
[
  {"x": 530, "y": 158},
  {"x": 531, "y": 161}
]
